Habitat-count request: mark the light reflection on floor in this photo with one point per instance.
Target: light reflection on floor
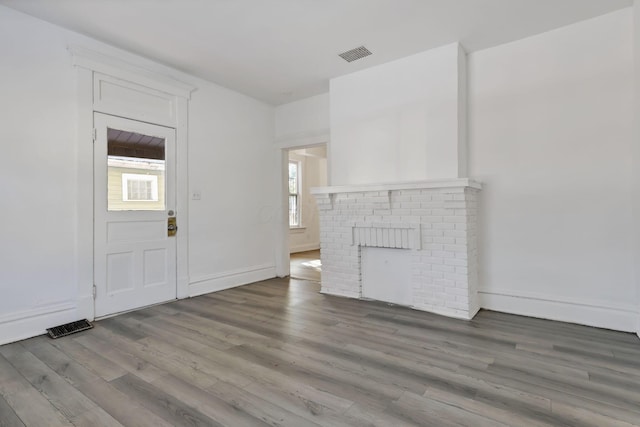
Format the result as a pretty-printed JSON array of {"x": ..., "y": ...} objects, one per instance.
[
  {"x": 306, "y": 265},
  {"x": 316, "y": 264}
]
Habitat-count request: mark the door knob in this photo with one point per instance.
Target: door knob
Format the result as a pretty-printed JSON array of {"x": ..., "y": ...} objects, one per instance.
[{"x": 172, "y": 228}]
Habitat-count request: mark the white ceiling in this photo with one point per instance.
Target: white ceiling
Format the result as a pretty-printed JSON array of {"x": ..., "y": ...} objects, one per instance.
[{"x": 283, "y": 50}]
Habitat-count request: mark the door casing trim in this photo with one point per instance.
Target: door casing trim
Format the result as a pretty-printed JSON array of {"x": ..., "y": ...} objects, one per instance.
[
  {"x": 281, "y": 151},
  {"x": 89, "y": 64}
]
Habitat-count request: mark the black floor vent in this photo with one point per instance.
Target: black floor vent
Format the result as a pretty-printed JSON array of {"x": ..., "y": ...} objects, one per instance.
[{"x": 69, "y": 328}]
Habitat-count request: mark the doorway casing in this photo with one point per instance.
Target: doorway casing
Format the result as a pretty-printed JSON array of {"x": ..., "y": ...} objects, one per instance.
[
  {"x": 111, "y": 86},
  {"x": 282, "y": 159}
]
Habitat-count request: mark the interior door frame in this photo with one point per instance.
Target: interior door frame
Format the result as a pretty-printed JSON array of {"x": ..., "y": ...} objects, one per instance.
[
  {"x": 283, "y": 265},
  {"x": 93, "y": 68}
]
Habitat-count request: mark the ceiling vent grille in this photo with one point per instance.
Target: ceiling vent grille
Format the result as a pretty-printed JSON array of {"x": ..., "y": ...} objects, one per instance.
[{"x": 355, "y": 54}]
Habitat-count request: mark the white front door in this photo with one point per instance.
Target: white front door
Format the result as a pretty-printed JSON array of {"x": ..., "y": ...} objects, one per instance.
[{"x": 134, "y": 196}]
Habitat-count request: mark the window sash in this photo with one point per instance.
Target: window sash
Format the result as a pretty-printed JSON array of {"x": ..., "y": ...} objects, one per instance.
[{"x": 294, "y": 194}]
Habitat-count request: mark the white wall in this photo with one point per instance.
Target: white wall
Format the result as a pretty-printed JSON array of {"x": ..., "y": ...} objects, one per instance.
[
  {"x": 550, "y": 134},
  {"x": 37, "y": 169},
  {"x": 298, "y": 124},
  {"x": 231, "y": 228},
  {"x": 636, "y": 153},
  {"x": 231, "y": 236},
  {"x": 314, "y": 174},
  {"x": 303, "y": 119},
  {"x": 399, "y": 121}
]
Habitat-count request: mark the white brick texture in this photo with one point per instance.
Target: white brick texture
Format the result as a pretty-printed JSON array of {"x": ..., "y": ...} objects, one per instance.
[{"x": 438, "y": 225}]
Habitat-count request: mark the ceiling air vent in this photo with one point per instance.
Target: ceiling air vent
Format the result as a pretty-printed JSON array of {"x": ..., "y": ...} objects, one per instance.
[{"x": 355, "y": 54}]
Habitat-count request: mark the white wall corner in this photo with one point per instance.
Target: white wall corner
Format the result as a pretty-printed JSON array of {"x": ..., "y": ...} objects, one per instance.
[
  {"x": 282, "y": 250},
  {"x": 636, "y": 155},
  {"x": 84, "y": 189},
  {"x": 182, "y": 197},
  {"x": 462, "y": 113}
]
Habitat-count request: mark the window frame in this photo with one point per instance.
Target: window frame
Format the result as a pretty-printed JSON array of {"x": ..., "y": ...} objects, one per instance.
[
  {"x": 127, "y": 177},
  {"x": 297, "y": 194}
]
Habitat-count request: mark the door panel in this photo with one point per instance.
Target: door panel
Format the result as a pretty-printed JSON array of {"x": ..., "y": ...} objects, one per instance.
[
  {"x": 155, "y": 273},
  {"x": 134, "y": 180},
  {"x": 120, "y": 272},
  {"x": 133, "y": 231}
]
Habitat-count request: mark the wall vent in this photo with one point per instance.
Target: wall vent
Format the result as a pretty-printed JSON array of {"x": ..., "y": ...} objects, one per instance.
[{"x": 355, "y": 54}]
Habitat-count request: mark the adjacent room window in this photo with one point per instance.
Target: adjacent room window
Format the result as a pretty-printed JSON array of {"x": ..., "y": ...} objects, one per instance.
[
  {"x": 135, "y": 171},
  {"x": 294, "y": 194},
  {"x": 139, "y": 188}
]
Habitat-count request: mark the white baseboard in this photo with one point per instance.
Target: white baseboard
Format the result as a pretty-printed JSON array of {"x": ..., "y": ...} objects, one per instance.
[
  {"x": 444, "y": 312},
  {"x": 230, "y": 279},
  {"x": 590, "y": 313},
  {"x": 182, "y": 290},
  {"x": 30, "y": 323},
  {"x": 343, "y": 294},
  {"x": 86, "y": 308},
  {"x": 304, "y": 248}
]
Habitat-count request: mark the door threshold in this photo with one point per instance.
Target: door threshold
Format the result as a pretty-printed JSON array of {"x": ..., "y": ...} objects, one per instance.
[{"x": 107, "y": 316}]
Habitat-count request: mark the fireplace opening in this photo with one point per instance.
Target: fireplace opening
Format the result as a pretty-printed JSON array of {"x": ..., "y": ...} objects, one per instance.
[{"x": 386, "y": 275}]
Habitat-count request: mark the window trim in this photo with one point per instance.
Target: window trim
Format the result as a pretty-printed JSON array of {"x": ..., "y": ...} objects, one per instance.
[{"x": 298, "y": 195}]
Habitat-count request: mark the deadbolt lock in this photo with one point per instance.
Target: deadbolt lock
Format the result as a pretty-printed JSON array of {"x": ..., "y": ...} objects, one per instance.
[{"x": 172, "y": 228}]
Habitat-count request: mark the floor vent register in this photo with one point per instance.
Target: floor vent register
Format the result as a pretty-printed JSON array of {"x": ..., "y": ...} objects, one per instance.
[{"x": 69, "y": 328}]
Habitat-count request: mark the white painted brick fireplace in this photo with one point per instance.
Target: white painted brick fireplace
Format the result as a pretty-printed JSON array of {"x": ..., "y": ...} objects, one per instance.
[{"x": 433, "y": 222}]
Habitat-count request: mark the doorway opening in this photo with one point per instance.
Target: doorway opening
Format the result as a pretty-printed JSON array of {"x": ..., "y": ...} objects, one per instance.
[{"x": 306, "y": 169}]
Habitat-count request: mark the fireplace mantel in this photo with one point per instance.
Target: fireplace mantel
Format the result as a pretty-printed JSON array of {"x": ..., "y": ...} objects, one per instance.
[
  {"x": 445, "y": 183},
  {"x": 433, "y": 222}
]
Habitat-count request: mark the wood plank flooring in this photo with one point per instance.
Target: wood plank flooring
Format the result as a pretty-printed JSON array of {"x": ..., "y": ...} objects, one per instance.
[
  {"x": 279, "y": 353},
  {"x": 306, "y": 265}
]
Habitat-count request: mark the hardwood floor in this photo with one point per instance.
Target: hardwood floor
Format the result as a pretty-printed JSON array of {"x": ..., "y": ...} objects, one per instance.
[
  {"x": 306, "y": 265},
  {"x": 279, "y": 353}
]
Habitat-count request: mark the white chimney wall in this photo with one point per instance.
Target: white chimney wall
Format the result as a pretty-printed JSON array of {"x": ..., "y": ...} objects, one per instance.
[{"x": 401, "y": 121}]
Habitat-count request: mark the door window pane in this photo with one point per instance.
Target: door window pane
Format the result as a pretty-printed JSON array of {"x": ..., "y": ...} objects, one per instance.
[{"x": 135, "y": 171}]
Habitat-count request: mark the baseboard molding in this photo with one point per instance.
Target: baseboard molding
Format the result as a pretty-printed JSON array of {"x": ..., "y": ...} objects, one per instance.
[
  {"x": 230, "y": 279},
  {"x": 474, "y": 312},
  {"x": 182, "y": 290},
  {"x": 86, "y": 308},
  {"x": 443, "y": 312},
  {"x": 30, "y": 323},
  {"x": 304, "y": 248},
  {"x": 589, "y": 313},
  {"x": 347, "y": 294}
]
